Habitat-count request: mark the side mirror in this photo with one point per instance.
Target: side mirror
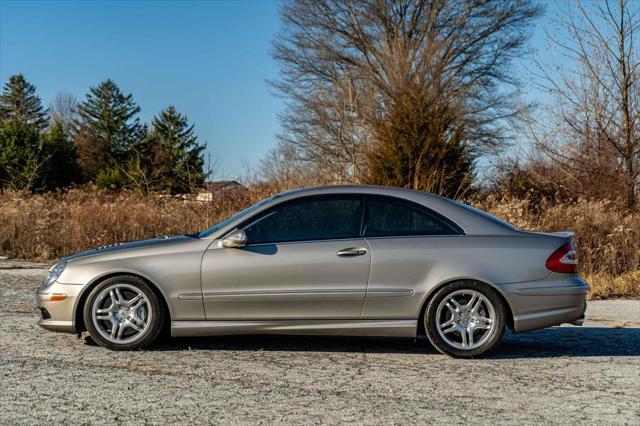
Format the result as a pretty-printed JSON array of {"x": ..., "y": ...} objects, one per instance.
[{"x": 235, "y": 239}]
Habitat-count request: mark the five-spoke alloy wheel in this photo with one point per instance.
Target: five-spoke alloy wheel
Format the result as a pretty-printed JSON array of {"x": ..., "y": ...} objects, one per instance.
[
  {"x": 123, "y": 313},
  {"x": 465, "y": 319}
]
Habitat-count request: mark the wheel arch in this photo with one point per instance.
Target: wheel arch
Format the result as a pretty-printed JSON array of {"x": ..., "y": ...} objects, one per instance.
[
  {"x": 429, "y": 295},
  {"x": 82, "y": 297}
]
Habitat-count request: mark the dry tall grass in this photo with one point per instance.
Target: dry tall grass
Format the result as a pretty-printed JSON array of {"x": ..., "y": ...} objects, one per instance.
[{"x": 49, "y": 226}]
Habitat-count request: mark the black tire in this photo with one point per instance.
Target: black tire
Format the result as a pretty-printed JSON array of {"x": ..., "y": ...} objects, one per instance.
[
  {"x": 493, "y": 336},
  {"x": 153, "y": 326}
]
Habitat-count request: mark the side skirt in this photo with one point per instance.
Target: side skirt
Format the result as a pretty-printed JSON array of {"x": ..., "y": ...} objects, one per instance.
[{"x": 391, "y": 328}]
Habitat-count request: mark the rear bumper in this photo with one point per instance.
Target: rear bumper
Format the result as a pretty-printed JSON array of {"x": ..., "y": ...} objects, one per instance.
[
  {"x": 555, "y": 300},
  {"x": 56, "y": 314}
]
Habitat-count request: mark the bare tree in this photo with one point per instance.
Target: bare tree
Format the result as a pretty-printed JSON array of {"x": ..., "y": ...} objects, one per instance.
[
  {"x": 404, "y": 92},
  {"x": 595, "y": 111},
  {"x": 281, "y": 170},
  {"x": 64, "y": 110}
]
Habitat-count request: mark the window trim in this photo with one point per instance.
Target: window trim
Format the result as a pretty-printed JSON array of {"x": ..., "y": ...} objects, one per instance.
[
  {"x": 269, "y": 211},
  {"x": 412, "y": 204}
]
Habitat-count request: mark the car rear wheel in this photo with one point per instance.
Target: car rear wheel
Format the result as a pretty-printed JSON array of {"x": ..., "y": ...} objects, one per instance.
[
  {"x": 123, "y": 313},
  {"x": 465, "y": 319}
]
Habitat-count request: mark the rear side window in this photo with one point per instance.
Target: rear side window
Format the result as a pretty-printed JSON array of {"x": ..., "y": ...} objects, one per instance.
[
  {"x": 309, "y": 219},
  {"x": 387, "y": 216}
]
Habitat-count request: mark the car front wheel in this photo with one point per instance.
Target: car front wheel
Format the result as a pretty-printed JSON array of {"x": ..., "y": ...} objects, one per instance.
[
  {"x": 123, "y": 313},
  {"x": 465, "y": 319}
]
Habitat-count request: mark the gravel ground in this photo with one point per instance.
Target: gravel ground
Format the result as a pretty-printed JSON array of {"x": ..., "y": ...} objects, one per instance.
[{"x": 563, "y": 374}]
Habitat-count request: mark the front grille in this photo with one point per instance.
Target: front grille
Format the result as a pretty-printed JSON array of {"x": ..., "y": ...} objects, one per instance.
[{"x": 44, "y": 313}]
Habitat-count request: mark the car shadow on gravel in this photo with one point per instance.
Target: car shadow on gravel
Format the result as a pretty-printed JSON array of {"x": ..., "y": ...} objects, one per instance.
[
  {"x": 550, "y": 342},
  {"x": 278, "y": 343},
  {"x": 570, "y": 341}
]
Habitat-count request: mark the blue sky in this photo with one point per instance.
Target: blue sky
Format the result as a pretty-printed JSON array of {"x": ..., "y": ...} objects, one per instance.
[{"x": 208, "y": 58}]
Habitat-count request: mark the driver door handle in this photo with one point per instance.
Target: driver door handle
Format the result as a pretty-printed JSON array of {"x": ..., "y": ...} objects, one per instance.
[{"x": 352, "y": 252}]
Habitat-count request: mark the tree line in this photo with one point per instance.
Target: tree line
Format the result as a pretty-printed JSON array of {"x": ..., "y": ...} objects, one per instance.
[
  {"x": 411, "y": 93},
  {"x": 100, "y": 140},
  {"x": 415, "y": 93},
  {"x": 402, "y": 93},
  {"x": 586, "y": 138}
]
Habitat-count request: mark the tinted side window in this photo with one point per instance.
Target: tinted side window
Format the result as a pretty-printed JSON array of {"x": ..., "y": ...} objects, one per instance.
[
  {"x": 389, "y": 216},
  {"x": 314, "y": 218}
]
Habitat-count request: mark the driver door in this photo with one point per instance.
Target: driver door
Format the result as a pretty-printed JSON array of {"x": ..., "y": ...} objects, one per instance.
[{"x": 304, "y": 259}]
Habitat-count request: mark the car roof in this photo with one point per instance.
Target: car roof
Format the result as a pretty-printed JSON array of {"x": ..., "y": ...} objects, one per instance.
[{"x": 470, "y": 219}]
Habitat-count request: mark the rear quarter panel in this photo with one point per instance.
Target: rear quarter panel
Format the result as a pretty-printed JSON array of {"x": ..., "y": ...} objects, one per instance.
[{"x": 423, "y": 264}]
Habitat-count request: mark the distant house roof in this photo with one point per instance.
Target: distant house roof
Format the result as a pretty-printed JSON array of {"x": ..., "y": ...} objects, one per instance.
[{"x": 224, "y": 185}]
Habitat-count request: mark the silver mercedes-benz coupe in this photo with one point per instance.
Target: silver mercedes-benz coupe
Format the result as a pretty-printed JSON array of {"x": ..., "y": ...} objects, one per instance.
[{"x": 343, "y": 260}]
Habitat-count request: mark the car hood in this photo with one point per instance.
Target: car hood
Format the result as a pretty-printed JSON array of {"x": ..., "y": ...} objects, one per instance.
[{"x": 121, "y": 247}]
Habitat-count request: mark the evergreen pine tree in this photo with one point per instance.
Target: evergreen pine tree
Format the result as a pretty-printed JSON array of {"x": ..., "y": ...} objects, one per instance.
[
  {"x": 60, "y": 168},
  {"x": 19, "y": 101},
  {"x": 175, "y": 152},
  {"x": 108, "y": 131},
  {"x": 20, "y": 159}
]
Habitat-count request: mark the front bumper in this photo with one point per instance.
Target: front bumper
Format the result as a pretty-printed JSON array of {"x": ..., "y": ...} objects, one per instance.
[
  {"x": 57, "y": 307},
  {"x": 555, "y": 300}
]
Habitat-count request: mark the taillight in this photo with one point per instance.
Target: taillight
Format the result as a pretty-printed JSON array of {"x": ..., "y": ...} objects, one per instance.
[{"x": 564, "y": 259}]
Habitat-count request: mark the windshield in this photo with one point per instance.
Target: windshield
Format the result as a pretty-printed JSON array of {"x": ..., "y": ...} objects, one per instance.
[{"x": 228, "y": 220}]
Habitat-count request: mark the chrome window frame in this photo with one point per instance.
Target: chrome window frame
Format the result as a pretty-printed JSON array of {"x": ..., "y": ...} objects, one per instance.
[
  {"x": 260, "y": 215},
  {"x": 420, "y": 207},
  {"x": 270, "y": 210}
]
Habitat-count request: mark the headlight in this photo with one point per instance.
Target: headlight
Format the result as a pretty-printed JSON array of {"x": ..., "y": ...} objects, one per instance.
[{"x": 54, "y": 274}]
